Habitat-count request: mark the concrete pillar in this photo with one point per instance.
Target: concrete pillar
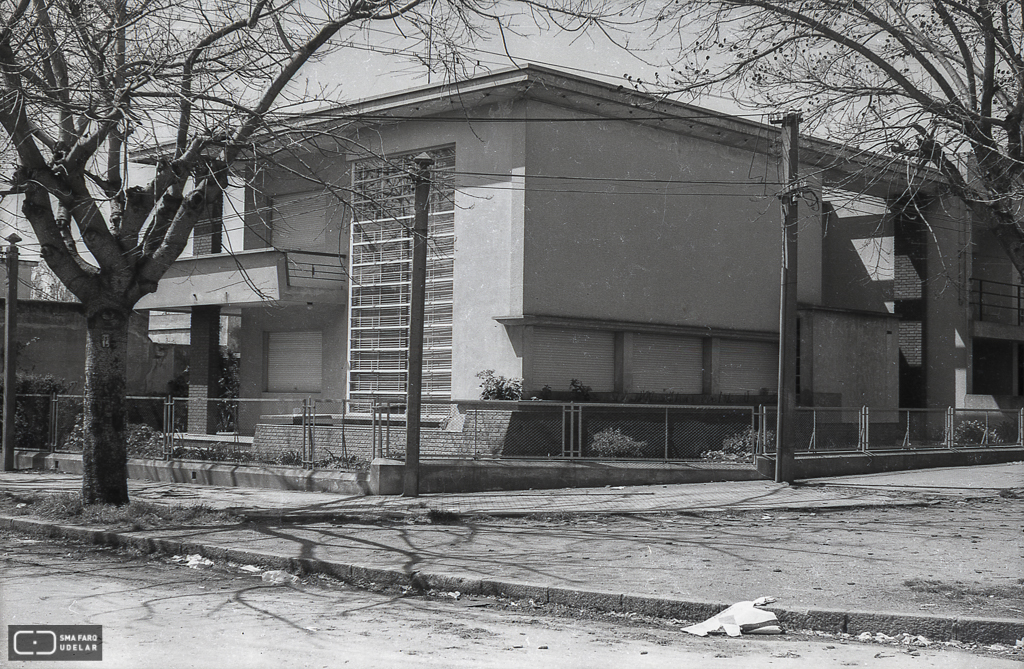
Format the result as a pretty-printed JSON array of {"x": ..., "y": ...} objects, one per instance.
[{"x": 204, "y": 369}]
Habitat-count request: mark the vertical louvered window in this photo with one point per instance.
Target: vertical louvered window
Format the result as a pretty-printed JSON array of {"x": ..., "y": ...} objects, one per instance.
[
  {"x": 381, "y": 281},
  {"x": 294, "y": 362}
]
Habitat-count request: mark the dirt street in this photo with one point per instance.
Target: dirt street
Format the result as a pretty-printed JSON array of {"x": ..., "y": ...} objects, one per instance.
[{"x": 159, "y": 612}]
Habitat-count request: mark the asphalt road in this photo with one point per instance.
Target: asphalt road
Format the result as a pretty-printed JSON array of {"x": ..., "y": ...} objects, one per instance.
[{"x": 158, "y": 612}]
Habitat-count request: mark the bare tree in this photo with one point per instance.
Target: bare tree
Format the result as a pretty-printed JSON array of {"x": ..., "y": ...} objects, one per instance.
[
  {"x": 86, "y": 83},
  {"x": 939, "y": 82}
]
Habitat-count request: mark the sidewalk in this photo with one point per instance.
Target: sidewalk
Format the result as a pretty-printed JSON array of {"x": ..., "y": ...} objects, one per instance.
[{"x": 838, "y": 554}]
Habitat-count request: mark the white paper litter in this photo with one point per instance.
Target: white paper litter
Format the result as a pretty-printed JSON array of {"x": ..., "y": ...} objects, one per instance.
[
  {"x": 252, "y": 569},
  {"x": 278, "y": 577},
  {"x": 197, "y": 562},
  {"x": 740, "y": 618}
]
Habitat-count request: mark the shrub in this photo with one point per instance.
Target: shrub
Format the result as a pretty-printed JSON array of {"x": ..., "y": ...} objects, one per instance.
[
  {"x": 737, "y": 446},
  {"x": 974, "y": 432},
  {"x": 499, "y": 387},
  {"x": 579, "y": 392},
  {"x": 32, "y": 414},
  {"x": 141, "y": 441},
  {"x": 215, "y": 452},
  {"x": 612, "y": 443}
]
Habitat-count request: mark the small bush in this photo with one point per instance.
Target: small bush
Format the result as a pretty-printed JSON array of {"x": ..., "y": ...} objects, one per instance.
[
  {"x": 343, "y": 462},
  {"x": 216, "y": 452},
  {"x": 141, "y": 441},
  {"x": 579, "y": 392},
  {"x": 499, "y": 387},
  {"x": 974, "y": 432},
  {"x": 738, "y": 446},
  {"x": 291, "y": 459},
  {"x": 612, "y": 443}
]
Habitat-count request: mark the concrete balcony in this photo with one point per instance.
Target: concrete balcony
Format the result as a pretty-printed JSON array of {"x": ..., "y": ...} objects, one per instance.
[
  {"x": 997, "y": 310},
  {"x": 251, "y": 278}
]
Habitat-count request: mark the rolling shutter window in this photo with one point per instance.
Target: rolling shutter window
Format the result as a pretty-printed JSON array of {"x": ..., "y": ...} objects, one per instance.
[
  {"x": 563, "y": 355},
  {"x": 663, "y": 363},
  {"x": 749, "y": 366},
  {"x": 299, "y": 222},
  {"x": 294, "y": 362}
]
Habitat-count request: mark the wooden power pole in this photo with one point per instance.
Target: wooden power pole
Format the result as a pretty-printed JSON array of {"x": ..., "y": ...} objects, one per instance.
[
  {"x": 10, "y": 351},
  {"x": 421, "y": 208},
  {"x": 785, "y": 432}
]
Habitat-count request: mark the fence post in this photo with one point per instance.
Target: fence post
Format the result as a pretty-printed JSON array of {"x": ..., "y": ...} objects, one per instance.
[
  {"x": 312, "y": 433},
  {"x": 666, "y": 434},
  {"x": 949, "y": 427},
  {"x": 373, "y": 429},
  {"x": 813, "y": 446},
  {"x": 344, "y": 445},
  {"x": 862, "y": 433},
  {"x": 168, "y": 425},
  {"x": 1020, "y": 427},
  {"x": 54, "y": 420}
]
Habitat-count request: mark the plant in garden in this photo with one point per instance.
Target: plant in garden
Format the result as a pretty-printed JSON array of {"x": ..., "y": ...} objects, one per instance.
[
  {"x": 579, "y": 392},
  {"x": 738, "y": 446},
  {"x": 499, "y": 387},
  {"x": 613, "y": 443},
  {"x": 975, "y": 432},
  {"x": 32, "y": 409}
]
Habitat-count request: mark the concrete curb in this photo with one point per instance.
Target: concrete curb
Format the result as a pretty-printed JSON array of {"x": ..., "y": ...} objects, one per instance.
[{"x": 935, "y": 628}]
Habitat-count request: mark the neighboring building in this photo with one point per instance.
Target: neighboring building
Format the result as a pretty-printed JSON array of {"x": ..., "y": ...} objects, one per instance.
[
  {"x": 51, "y": 336},
  {"x": 582, "y": 231}
]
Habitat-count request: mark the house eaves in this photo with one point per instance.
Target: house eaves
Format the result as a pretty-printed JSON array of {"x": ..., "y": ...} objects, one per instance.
[{"x": 832, "y": 163}]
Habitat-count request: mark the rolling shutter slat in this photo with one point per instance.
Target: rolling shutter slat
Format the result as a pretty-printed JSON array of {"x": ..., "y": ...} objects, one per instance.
[
  {"x": 664, "y": 363},
  {"x": 749, "y": 366},
  {"x": 294, "y": 362},
  {"x": 563, "y": 355}
]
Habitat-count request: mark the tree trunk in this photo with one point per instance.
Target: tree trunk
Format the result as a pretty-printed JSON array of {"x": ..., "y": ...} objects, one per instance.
[{"x": 105, "y": 456}]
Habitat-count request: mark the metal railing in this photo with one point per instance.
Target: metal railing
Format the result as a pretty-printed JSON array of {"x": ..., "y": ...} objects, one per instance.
[
  {"x": 535, "y": 429},
  {"x": 313, "y": 433},
  {"x": 997, "y": 302},
  {"x": 846, "y": 429}
]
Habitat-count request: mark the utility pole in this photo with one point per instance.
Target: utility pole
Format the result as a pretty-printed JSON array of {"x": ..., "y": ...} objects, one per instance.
[
  {"x": 786, "y": 428},
  {"x": 10, "y": 351},
  {"x": 421, "y": 208}
]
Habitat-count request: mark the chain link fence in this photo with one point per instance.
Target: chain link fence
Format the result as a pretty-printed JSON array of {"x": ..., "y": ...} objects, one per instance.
[
  {"x": 338, "y": 434},
  {"x": 566, "y": 430},
  {"x": 847, "y": 429}
]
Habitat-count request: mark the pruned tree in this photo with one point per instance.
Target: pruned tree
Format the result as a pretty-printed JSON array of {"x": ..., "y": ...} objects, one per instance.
[
  {"x": 937, "y": 82},
  {"x": 87, "y": 83}
]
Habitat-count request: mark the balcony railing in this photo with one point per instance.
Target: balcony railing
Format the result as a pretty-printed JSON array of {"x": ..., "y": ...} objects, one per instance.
[
  {"x": 997, "y": 302},
  {"x": 250, "y": 278}
]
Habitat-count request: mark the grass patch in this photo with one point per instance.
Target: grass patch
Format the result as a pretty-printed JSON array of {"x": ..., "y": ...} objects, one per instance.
[
  {"x": 443, "y": 517},
  {"x": 136, "y": 515},
  {"x": 963, "y": 591}
]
